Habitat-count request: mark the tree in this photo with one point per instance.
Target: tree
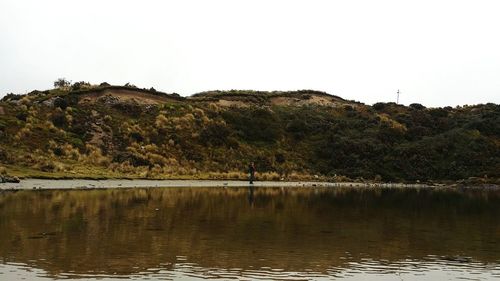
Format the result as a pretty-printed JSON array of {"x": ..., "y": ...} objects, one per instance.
[{"x": 62, "y": 83}]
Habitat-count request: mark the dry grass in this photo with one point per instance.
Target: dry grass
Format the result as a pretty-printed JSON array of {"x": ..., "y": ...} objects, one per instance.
[
  {"x": 161, "y": 121},
  {"x": 95, "y": 157},
  {"x": 3, "y": 171}
]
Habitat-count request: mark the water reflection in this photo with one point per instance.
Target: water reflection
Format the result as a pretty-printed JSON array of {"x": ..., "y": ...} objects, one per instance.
[
  {"x": 251, "y": 196},
  {"x": 290, "y": 233}
]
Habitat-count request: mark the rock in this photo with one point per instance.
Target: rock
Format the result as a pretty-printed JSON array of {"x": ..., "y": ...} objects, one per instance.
[
  {"x": 49, "y": 102},
  {"x": 9, "y": 179},
  {"x": 15, "y": 102},
  {"x": 108, "y": 99}
]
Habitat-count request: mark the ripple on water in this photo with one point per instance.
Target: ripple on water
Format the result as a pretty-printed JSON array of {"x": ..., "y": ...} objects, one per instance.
[{"x": 373, "y": 270}]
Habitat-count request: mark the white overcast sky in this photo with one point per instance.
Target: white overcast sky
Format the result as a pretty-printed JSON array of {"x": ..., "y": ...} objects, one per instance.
[{"x": 439, "y": 52}]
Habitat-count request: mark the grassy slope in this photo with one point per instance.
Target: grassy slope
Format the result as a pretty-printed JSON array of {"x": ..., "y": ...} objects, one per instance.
[{"x": 54, "y": 134}]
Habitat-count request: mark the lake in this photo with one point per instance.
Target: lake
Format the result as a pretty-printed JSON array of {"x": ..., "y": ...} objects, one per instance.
[{"x": 292, "y": 233}]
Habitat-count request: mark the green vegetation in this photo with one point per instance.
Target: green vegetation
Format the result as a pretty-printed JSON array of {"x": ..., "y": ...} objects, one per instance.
[{"x": 84, "y": 130}]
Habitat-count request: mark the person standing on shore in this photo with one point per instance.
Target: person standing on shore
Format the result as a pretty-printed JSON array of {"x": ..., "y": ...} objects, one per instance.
[{"x": 251, "y": 172}]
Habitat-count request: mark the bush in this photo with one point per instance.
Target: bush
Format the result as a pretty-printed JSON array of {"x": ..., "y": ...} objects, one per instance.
[
  {"x": 379, "y": 106},
  {"x": 23, "y": 115},
  {"x": 254, "y": 124},
  {"x": 80, "y": 85},
  {"x": 132, "y": 159},
  {"x": 129, "y": 108},
  {"x": 136, "y": 136},
  {"x": 4, "y": 156},
  {"x": 47, "y": 165},
  {"x": 61, "y": 103},
  {"x": 58, "y": 151},
  {"x": 417, "y": 106},
  {"x": 59, "y": 119},
  {"x": 161, "y": 121},
  {"x": 11, "y": 97},
  {"x": 280, "y": 158},
  {"x": 298, "y": 128},
  {"x": 215, "y": 134},
  {"x": 94, "y": 156}
]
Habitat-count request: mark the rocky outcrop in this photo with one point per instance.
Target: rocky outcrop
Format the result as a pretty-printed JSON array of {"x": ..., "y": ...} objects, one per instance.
[{"x": 4, "y": 179}]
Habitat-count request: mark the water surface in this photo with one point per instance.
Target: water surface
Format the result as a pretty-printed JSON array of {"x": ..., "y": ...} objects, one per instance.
[{"x": 276, "y": 233}]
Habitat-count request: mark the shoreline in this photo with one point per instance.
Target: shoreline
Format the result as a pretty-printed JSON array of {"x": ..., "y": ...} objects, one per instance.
[{"x": 84, "y": 184}]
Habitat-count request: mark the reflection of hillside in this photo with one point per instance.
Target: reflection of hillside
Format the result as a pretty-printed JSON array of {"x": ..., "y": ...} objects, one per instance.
[{"x": 127, "y": 231}]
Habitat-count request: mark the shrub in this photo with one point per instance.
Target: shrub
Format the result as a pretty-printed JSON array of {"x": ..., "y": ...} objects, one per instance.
[
  {"x": 130, "y": 108},
  {"x": 46, "y": 165},
  {"x": 80, "y": 85},
  {"x": 136, "y": 136},
  {"x": 161, "y": 121},
  {"x": 71, "y": 152},
  {"x": 417, "y": 106},
  {"x": 59, "y": 119},
  {"x": 95, "y": 156},
  {"x": 279, "y": 157},
  {"x": 379, "y": 106},
  {"x": 62, "y": 83},
  {"x": 61, "y": 103},
  {"x": 50, "y": 126},
  {"x": 11, "y": 97},
  {"x": 23, "y": 115},
  {"x": 254, "y": 124},
  {"x": 215, "y": 134},
  {"x": 4, "y": 155},
  {"x": 269, "y": 176},
  {"x": 58, "y": 151}
]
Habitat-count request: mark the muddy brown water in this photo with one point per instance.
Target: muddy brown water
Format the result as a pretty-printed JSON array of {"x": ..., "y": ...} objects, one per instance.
[{"x": 293, "y": 233}]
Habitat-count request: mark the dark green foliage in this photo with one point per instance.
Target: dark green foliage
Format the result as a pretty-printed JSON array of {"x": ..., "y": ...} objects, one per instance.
[
  {"x": 298, "y": 128},
  {"x": 136, "y": 136},
  {"x": 417, "y": 106},
  {"x": 59, "y": 119},
  {"x": 80, "y": 85},
  {"x": 454, "y": 155},
  {"x": 215, "y": 134},
  {"x": 22, "y": 115},
  {"x": 61, "y": 103},
  {"x": 254, "y": 124},
  {"x": 4, "y": 155},
  {"x": 379, "y": 106},
  {"x": 279, "y": 157},
  {"x": 61, "y": 83},
  {"x": 389, "y": 135},
  {"x": 58, "y": 151},
  {"x": 11, "y": 97}
]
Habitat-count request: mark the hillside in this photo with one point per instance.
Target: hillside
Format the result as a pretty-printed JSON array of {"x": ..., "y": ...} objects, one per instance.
[{"x": 126, "y": 132}]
